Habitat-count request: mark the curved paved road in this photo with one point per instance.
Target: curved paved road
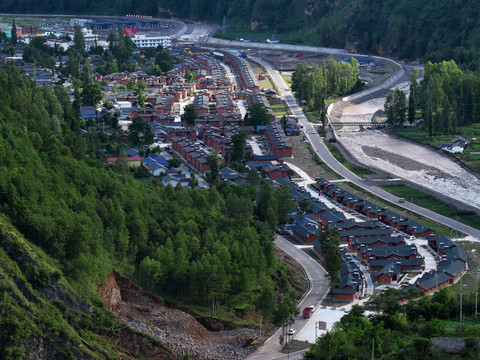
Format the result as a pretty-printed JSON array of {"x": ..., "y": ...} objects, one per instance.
[
  {"x": 322, "y": 150},
  {"x": 319, "y": 287}
]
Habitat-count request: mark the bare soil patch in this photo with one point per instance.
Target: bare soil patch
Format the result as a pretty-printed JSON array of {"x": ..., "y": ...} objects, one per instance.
[{"x": 177, "y": 329}]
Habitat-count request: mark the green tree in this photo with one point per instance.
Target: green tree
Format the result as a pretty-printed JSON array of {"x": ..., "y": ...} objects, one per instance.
[
  {"x": 266, "y": 200},
  {"x": 14, "y": 37},
  {"x": 286, "y": 310},
  {"x": 257, "y": 115},
  {"x": 139, "y": 92},
  {"x": 212, "y": 161},
  {"x": 395, "y": 107},
  {"x": 92, "y": 94},
  {"x": 329, "y": 240},
  {"x": 412, "y": 99},
  {"x": 189, "y": 114},
  {"x": 190, "y": 76},
  {"x": 174, "y": 162},
  {"x": 86, "y": 74},
  {"x": 446, "y": 116},
  {"x": 121, "y": 46},
  {"x": 284, "y": 122},
  {"x": 239, "y": 141},
  {"x": 140, "y": 132},
  {"x": 253, "y": 178},
  {"x": 304, "y": 205},
  {"x": 78, "y": 39},
  {"x": 333, "y": 257},
  {"x": 164, "y": 61},
  {"x": 72, "y": 66},
  {"x": 193, "y": 180},
  {"x": 284, "y": 204}
]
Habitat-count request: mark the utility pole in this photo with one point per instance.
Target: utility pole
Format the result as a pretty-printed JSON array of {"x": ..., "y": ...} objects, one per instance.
[
  {"x": 260, "y": 328},
  {"x": 224, "y": 25},
  {"x": 476, "y": 292},
  {"x": 373, "y": 348},
  {"x": 461, "y": 296}
]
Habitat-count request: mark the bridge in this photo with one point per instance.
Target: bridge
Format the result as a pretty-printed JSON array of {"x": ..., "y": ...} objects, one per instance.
[{"x": 338, "y": 124}]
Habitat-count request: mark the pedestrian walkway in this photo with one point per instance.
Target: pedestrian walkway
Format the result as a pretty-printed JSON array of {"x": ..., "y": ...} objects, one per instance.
[
  {"x": 368, "y": 289},
  {"x": 306, "y": 179}
]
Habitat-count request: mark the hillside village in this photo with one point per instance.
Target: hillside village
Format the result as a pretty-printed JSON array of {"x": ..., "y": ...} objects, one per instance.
[{"x": 379, "y": 247}]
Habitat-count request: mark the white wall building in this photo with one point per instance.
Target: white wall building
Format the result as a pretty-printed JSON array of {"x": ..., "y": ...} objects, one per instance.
[
  {"x": 64, "y": 44},
  {"x": 90, "y": 38},
  {"x": 152, "y": 41}
]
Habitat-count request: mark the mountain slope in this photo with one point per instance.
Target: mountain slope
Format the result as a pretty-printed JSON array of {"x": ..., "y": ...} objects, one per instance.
[
  {"x": 427, "y": 30},
  {"x": 42, "y": 317}
]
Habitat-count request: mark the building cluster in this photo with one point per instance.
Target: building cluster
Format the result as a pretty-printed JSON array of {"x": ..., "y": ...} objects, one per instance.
[
  {"x": 457, "y": 146},
  {"x": 201, "y": 78},
  {"x": 95, "y": 32},
  {"x": 384, "y": 244}
]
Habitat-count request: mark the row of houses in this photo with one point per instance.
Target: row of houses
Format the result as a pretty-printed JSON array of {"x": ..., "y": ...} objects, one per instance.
[
  {"x": 354, "y": 203},
  {"x": 385, "y": 252},
  {"x": 277, "y": 141},
  {"x": 194, "y": 153},
  {"x": 351, "y": 280},
  {"x": 244, "y": 71},
  {"x": 452, "y": 264},
  {"x": 396, "y": 256}
]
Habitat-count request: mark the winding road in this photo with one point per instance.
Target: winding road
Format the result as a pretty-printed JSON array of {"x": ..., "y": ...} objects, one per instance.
[
  {"x": 322, "y": 151},
  {"x": 318, "y": 288}
]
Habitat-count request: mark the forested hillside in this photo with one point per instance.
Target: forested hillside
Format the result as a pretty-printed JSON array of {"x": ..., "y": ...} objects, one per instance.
[
  {"x": 203, "y": 248},
  {"x": 426, "y": 30}
]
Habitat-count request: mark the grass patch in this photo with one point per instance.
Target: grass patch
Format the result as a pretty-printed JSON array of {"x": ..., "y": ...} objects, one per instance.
[
  {"x": 315, "y": 156},
  {"x": 455, "y": 328},
  {"x": 280, "y": 109},
  {"x": 287, "y": 81},
  {"x": 313, "y": 116},
  {"x": 265, "y": 83},
  {"x": 431, "y": 202},
  {"x": 257, "y": 68},
  {"x": 356, "y": 169},
  {"x": 295, "y": 346}
]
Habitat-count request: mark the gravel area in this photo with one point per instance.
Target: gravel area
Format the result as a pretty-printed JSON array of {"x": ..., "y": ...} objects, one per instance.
[{"x": 419, "y": 164}]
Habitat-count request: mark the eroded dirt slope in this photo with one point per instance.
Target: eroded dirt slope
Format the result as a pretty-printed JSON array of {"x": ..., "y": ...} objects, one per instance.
[{"x": 179, "y": 330}]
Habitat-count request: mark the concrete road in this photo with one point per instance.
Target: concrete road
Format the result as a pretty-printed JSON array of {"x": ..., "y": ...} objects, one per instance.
[
  {"x": 335, "y": 165},
  {"x": 318, "y": 288}
]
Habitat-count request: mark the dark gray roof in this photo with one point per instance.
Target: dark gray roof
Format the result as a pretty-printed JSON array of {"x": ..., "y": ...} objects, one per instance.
[{"x": 365, "y": 232}]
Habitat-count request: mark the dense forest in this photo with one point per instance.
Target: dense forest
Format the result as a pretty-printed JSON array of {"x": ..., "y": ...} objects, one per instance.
[
  {"x": 447, "y": 98},
  {"x": 425, "y": 30},
  {"x": 211, "y": 249},
  {"x": 315, "y": 84}
]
